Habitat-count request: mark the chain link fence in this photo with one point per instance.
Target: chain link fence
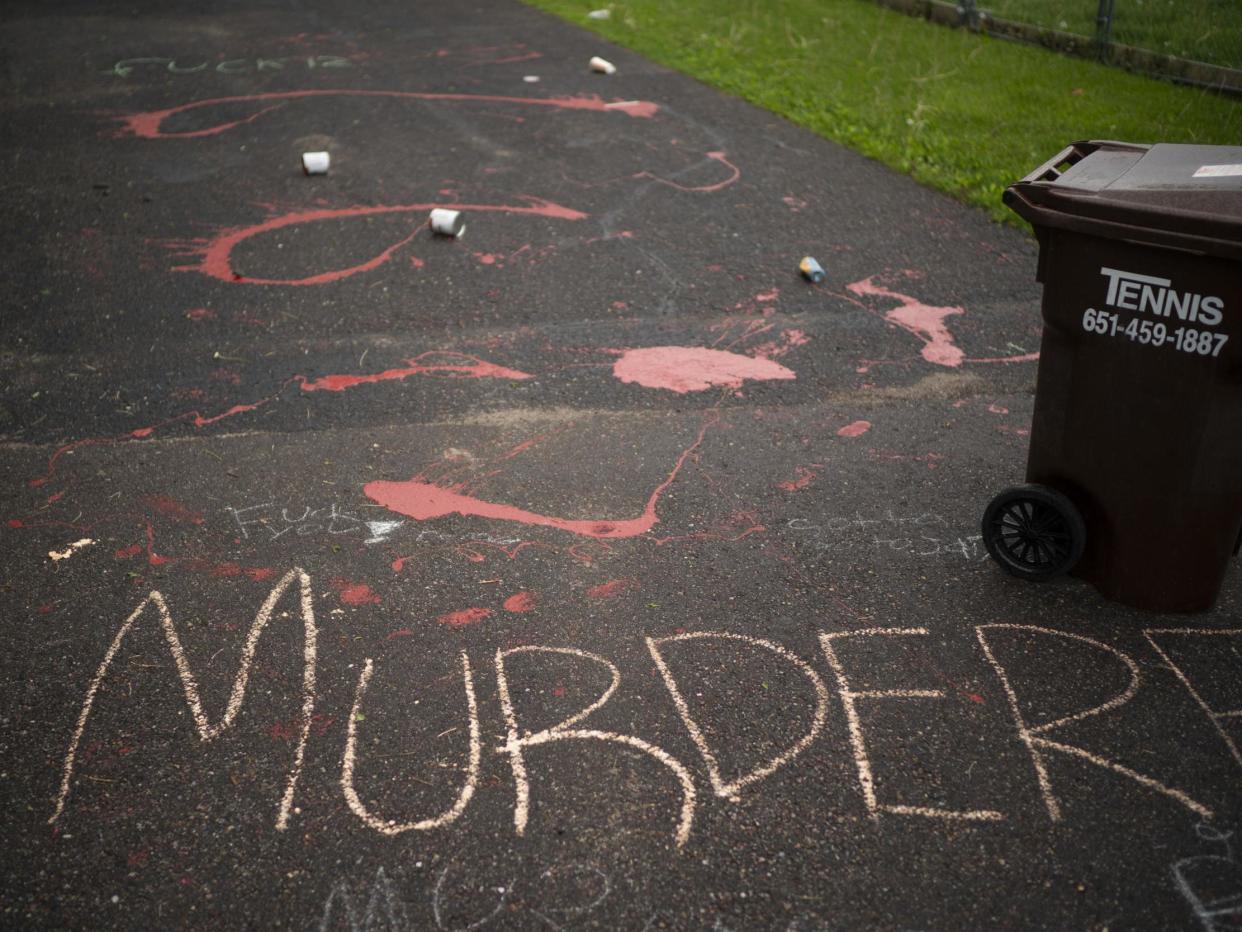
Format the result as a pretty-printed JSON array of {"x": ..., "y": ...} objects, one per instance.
[{"x": 1195, "y": 42}]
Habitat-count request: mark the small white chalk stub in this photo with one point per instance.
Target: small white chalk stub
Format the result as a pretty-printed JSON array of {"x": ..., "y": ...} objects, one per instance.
[
  {"x": 447, "y": 222},
  {"x": 315, "y": 163},
  {"x": 531, "y": 79},
  {"x": 603, "y": 66},
  {"x": 600, "y": 14}
]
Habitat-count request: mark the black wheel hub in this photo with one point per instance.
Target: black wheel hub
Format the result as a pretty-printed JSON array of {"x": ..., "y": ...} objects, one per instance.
[{"x": 1033, "y": 532}]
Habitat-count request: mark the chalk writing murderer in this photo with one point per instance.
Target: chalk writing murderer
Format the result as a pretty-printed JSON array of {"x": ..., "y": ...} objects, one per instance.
[{"x": 1037, "y": 721}]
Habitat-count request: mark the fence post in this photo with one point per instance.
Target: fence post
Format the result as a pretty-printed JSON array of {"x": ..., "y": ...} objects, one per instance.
[
  {"x": 1104, "y": 29},
  {"x": 968, "y": 13}
]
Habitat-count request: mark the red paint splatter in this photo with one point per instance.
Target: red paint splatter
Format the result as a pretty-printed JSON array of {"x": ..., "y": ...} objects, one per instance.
[
  {"x": 734, "y": 174},
  {"x": 138, "y": 858},
  {"x": 559, "y": 692},
  {"x": 148, "y": 125},
  {"x": 226, "y": 570},
  {"x": 421, "y": 500},
  {"x": 451, "y": 365},
  {"x": 735, "y": 527},
  {"x": 152, "y": 557},
  {"x": 200, "y": 313},
  {"x": 613, "y": 588},
  {"x": 126, "y": 552},
  {"x": 16, "y": 523},
  {"x": 216, "y": 261},
  {"x": 998, "y": 409},
  {"x": 521, "y": 602},
  {"x": 226, "y": 375},
  {"x": 463, "y": 617},
  {"x": 803, "y": 476},
  {"x": 354, "y": 593},
  {"x": 854, "y": 429},
  {"x": 200, "y": 421},
  {"x": 399, "y": 633},
  {"x": 683, "y": 369},
  {"x": 774, "y": 349},
  {"x": 260, "y": 573},
  {"x": 923, "y": 320},
  {"x": 46, "y": 608},
  {"x": 287, "y": 731},
  {"x": 169, "y": 507},
  {"x": 932, "y": 460}
]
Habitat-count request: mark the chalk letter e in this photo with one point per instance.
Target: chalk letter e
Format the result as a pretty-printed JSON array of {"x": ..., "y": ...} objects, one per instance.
[{"x": 849, "y": 697}]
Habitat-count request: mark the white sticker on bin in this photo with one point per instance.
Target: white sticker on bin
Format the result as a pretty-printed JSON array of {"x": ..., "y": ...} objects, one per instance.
[{"x": 1219, "y": 171}]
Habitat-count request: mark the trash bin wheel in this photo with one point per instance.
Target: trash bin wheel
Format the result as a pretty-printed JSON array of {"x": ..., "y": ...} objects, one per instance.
[{"x": 1034, "y": 532}]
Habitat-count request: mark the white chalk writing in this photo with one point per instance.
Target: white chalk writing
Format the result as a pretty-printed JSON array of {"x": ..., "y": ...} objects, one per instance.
[
  {"x": 272, "y": 522},
  {"x": 1198, "y": 879},
  {"x": 674, "y": 658},
  {"x": 126, "y": 66},
  {"x": 889, "y": 534}
]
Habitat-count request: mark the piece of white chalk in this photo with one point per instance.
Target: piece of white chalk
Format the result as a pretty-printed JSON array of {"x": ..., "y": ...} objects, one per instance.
[
  {"x": 600, "y": 14},
  {"x": 315, "y": 163},
  {"x": 603, "y": 66},
  {"x": 447, "y": 222},
  {"x": 531, "y": 79}
]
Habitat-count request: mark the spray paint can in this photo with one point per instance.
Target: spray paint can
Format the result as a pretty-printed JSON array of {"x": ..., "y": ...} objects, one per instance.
[
  {"x": 811, "y": 270},
  {"x": 447, "y": 222}
]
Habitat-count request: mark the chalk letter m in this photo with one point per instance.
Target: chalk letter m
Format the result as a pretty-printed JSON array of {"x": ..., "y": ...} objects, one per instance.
[{"x": 206, "y": 730}]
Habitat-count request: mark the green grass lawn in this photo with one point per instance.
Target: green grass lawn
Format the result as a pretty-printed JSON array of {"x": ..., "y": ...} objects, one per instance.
[
  {"x": 958, "y": 111},
  {"x": 1202, "y": 30}
]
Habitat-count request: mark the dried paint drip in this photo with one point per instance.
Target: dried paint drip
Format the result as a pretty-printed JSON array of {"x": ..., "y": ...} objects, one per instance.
[
  {"x": 521, "y": 602},
  {"x": 925, "y": 321},
  {"x": 432, "y": 363},
  {"x": 148, "y": 125},
  {"x": 217, "y": 253},
  {"x": 422, "y": 500},
  {"x": 683, "y": 369},
  {"x": 464, "y": 617}
]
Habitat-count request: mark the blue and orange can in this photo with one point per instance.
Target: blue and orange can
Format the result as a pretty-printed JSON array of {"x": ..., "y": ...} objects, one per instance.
[{"x": 811, "y": 270}]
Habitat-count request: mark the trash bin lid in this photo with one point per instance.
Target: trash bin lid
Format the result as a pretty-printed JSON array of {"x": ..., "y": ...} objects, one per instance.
[{"x": 1180, "y": 196}]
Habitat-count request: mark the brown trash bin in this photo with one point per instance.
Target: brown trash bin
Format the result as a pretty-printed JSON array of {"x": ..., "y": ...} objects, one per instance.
[{"x": 1136, "y": 442}]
